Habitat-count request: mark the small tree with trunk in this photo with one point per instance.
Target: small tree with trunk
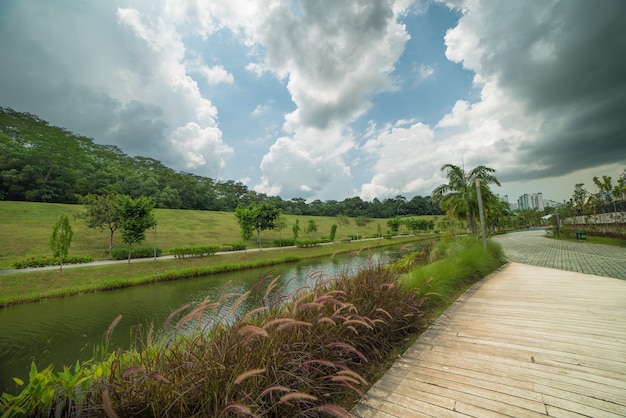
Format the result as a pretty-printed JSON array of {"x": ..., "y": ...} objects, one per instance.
[
  {"x": 135, "y": 217},
  {"x": 61, "y": 238},
  {"x": 100, "y": 213},
  {"x": 311, "y": 227},
  {"x": 295, "y": 229}
]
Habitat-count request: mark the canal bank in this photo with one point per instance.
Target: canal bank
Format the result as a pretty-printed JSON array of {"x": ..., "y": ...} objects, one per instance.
[
  {"x": 43, "y": 283},
  {"x": 59, "y": 331}
]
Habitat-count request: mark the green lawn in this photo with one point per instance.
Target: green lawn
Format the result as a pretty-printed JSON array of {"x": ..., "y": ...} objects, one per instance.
[
  {"x": 33, "y": 285},
  {"x": 25, "y": 229}
]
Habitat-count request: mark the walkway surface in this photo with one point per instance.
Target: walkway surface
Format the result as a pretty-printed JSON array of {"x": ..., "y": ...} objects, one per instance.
[{"x": 526, "y": 341}]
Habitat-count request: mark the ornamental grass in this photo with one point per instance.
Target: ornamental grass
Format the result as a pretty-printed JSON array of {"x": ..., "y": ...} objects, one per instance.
[{"x": 263, "y": 353}]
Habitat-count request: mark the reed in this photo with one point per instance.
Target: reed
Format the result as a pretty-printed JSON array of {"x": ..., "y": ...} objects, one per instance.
[{"x": 295, "y": 357}]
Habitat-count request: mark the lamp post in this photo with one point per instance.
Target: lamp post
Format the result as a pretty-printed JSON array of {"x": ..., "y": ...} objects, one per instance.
[
  {"x": 258, "y": 229},
  {"x": 155, "y": 250},
  {"x": 480, "y": 211}
]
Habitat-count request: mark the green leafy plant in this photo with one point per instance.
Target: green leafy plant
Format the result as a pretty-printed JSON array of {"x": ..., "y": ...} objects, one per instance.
[
  {"x": 197, "y": 251},
  {"x": 32, "y": 262},
  {"x": 48, "y": 394},
  {"x": 138, "y": 252},
  {"x": 61, "y": 238}
]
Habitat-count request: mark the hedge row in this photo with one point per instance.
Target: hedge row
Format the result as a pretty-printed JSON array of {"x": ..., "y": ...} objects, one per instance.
[
  {"x": 234, "y": 246},
  {"x": 285, "y": 242},
  {"x": 197, "y": 251},
  {"x": 32, "y": 262},
  {"x": 308, "y": 243},
  {"x": 139, "y": 252}
]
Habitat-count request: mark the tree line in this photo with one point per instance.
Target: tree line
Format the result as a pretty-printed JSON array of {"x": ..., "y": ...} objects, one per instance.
[{"x": 44, "y": 163}]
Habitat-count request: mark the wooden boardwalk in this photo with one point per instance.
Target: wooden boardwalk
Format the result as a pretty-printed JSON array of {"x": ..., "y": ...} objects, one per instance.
[{"x": 526, "y": 341}]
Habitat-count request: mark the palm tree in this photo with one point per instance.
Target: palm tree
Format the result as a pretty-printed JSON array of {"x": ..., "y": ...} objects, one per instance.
[{"x": 459, "y": 198}]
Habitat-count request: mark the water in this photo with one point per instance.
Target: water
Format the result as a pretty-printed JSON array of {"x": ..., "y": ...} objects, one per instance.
[{"x": 60, "y": 331}]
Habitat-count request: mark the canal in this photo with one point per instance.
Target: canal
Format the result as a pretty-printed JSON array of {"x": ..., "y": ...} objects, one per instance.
[{"x": 60, "y": 331}]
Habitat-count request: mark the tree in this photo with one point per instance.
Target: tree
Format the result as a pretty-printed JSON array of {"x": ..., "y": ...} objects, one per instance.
[
  {"x": 279, "y": 225},
  {"x": 311, "y": 227},
  {"x": 61, "y": 238},
  {"x": 100, "y": 213},
  {"x": 333, "y": 232},
  {"x": 247, "y": 217},
  {"x": 606, "y": 190},
  {"x": 458, "y": 197},
  {"x": 579, "y": 198},
  {"x": 296, "y": 229},
  {"x": 394, "y": 224},
  {"x": 135, "y": 217},
  {"x": 259, "y": 217}
]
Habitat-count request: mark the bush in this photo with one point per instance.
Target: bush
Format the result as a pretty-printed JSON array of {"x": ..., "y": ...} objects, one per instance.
[
  {"x": 198, "y": 251},
  {"x": 33, "y": 262},
  {"x": 333, "y": 232},
  {"x": 236, "y": 246},
  {"x": 285, "y": 242},
  {"x": 308, "y": 243},
  {"x": 139, "y": 252}
]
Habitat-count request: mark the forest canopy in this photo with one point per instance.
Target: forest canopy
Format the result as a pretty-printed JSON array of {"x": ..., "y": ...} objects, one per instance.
[{"x": 44, "y": 163}]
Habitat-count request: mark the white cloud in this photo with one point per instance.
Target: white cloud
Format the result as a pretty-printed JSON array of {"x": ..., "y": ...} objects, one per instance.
[
  {"x": 551, "y": 90},
  {"x": 309, "y": 165},
  {"x": 404, "y": 160},
  {"x": 422, "y": 72},
  {"x": 333, "y": 55},
  {"x": 260, "y": 110},
  {"x": 200, "y": 147},
  {"x": 213, "y": 76},
  {"x": 195, "y": 141}
]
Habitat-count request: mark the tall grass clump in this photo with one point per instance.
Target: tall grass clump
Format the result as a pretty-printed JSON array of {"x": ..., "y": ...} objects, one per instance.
[
  {"x": 267, "y": 352},
  {"x": 457, "y": 263},
  {"x": 292, "y": 355}
]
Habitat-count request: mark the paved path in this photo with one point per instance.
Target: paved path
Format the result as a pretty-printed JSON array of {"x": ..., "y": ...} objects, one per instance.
[
  {"x": 526, "y": 341},
  {"x": 532, "y": 247}
]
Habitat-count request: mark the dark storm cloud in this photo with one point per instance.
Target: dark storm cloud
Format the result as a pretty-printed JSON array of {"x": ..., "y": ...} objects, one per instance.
[
  {"x": 563, "y": 61},
  {"x": 141, "y": 129}
]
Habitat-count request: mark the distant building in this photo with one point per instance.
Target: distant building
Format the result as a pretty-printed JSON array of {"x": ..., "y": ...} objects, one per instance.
[
  {"x": 550, "y": 203},
  {"x": 532, "y": 201}
]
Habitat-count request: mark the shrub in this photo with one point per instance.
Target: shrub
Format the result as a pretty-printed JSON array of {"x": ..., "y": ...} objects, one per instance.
[
  {"x": 33, "y": 262},
  {"x": 197, "y": 251},
  {"x": 333, "y": 232},
  {"x": 48, "y": 393},
  {"x": 236, "y": 246},
  {"x": 139, "y": 252},
  {"x": 285, "y": 242},
  {"x": 308, "y": 243}
]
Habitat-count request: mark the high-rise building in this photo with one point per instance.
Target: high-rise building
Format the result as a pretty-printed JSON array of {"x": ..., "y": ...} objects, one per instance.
[{"x": 532, "y": 201}]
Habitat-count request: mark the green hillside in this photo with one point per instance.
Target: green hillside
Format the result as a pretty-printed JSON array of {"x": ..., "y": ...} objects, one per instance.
[{"x": 25, "y": 228}]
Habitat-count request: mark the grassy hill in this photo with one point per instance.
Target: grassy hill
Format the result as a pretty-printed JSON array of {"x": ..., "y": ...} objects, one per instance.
[{"x": 25, "y": 229}]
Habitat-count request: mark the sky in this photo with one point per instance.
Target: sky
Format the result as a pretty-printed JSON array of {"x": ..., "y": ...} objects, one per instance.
[{"x": 332, "y": 99}]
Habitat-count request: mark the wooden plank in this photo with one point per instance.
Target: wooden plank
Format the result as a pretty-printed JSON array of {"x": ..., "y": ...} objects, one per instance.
[
  {"x": 418, "y": 384},
  {"x": 599, "y": 404},
  {"x": 522, "y": 369},
  {"x": 580, "y": 408},
  {"x": 527, "y": 341}
]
